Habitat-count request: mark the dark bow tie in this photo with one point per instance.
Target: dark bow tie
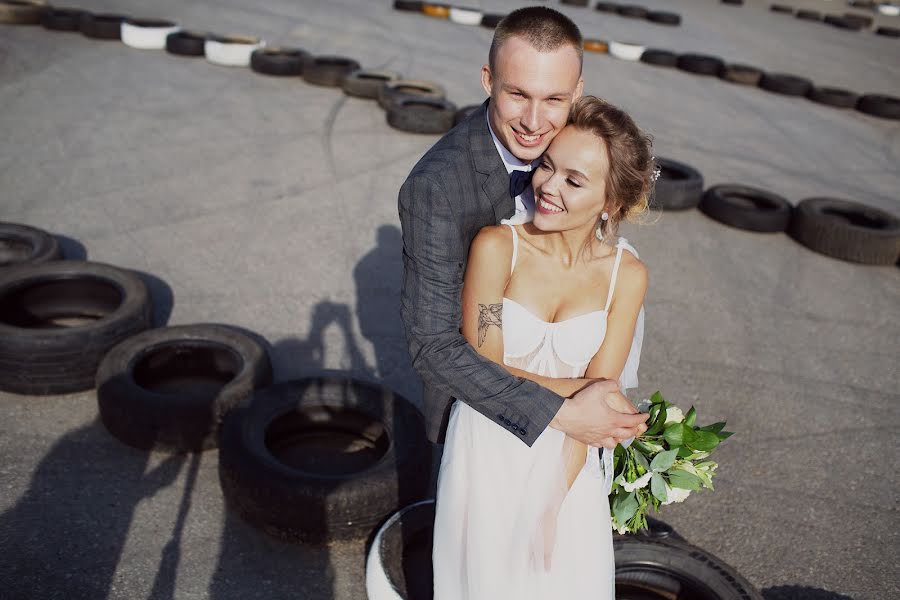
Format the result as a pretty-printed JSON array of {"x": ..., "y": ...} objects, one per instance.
[{"x": 518, "y": 181}]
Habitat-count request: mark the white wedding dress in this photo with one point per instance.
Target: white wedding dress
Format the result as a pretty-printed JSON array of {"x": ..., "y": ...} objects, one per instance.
[{"x": 505, "y": 526}]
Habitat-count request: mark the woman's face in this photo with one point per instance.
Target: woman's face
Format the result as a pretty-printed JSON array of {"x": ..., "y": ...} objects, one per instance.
[{"x": 570, "y": 183}]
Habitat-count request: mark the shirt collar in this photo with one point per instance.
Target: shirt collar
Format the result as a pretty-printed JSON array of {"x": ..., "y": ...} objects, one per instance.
[{"x": 509, "y": 161}]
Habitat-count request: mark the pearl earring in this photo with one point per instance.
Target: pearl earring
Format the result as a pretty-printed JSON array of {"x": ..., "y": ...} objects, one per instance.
[{"x": 599, "y": 232}]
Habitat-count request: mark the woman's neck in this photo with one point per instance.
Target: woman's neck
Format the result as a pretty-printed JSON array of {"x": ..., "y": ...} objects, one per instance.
[{"x": 570, "y": 246}]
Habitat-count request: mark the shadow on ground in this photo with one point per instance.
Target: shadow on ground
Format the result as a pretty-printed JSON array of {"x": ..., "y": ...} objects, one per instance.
[{"x": 798, "y": 592}]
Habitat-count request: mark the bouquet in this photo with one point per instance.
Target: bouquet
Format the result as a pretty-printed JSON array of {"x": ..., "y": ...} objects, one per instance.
[{"x": 662, "y": 466}]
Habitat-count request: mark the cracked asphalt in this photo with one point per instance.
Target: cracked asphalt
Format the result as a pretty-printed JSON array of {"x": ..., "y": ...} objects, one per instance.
[{"x": 270, "y": 204}]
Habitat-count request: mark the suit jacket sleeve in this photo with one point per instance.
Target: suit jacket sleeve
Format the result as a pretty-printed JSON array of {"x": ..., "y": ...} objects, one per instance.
[{"x": 434, "y": 257}]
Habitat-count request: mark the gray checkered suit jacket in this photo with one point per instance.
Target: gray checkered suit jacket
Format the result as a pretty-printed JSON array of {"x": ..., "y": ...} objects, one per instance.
[{"x": 458, "y": 187}]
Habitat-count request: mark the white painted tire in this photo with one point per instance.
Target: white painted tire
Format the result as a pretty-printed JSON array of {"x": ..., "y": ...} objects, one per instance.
[
  {"x": 891, "y": 10},
  {"x": 466, "y": 16},
  {"x": 231, "y": 51},
  {"x": 625, "y": 51},
  {"x": 147, "y": 35},
  {"x": 378, "y": 586}
]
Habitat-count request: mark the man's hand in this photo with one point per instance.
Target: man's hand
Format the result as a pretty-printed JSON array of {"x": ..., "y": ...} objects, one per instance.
[{"x": 599, "y": 415}]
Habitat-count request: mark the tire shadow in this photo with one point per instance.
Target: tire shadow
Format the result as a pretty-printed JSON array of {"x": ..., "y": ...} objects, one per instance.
[
  {"x": 799, "y": 592},
  {"x": 71, "y": 248},
  {"x": 65, "y": 536}
]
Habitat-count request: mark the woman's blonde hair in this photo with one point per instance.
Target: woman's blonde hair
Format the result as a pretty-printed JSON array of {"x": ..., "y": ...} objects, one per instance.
[{"x": 630, "y": 178}]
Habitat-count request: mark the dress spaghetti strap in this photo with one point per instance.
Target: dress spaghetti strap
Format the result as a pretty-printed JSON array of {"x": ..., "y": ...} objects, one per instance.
[
  {"x": 515, "y": 246},
  {"x": 615, "y": 273}
]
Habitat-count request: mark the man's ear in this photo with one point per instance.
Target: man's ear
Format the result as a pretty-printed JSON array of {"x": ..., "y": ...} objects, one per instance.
[
  {"x": 487, "y": 80},
  {"x": 579, "y": 89}
]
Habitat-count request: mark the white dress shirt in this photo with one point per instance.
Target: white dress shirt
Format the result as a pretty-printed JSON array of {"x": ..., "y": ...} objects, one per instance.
[{"x": 525, "y": 200}]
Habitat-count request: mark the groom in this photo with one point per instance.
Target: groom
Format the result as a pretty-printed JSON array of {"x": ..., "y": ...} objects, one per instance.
[{"x": 472, "y": 178}]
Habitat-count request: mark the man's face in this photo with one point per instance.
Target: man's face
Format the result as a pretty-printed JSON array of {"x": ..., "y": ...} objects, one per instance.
[{"x": 531, "y": 93}]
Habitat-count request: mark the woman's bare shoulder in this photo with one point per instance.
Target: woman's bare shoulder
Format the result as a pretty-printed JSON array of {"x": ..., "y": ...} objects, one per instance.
[{"x": 493, "y": 241}]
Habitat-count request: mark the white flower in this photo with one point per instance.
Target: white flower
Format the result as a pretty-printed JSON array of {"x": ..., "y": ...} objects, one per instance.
[
  {"x": 636, "y": 485},
  {"x": 674, "y": 415},
  {"x": 675, "y": 495}
]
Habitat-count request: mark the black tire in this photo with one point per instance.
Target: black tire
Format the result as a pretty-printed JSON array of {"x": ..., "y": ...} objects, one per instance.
[
  {"x": 463, "y": 113},
  {"x": 781, "y": 83},
  {"x": 847, "y": 230},
  {"x": 661, "y": 58},
  {"x": 102, "y": 27},
  {"x": 366, "y": 83},
  {"x": 808, "y": 15},
  {"x": 399, "y": 561},
  {"x": 606, "y": 7},
  {"x": 328, "y": 70},
  {"x": 679, "y": 186},
  {"x": 736, "y": 2},
  {"x": 408, "y": 5},
  {"x": 491, "y": 20},
  {"x": 663, "y": 568},
  {"x": 870, "y": 4},
  {"x": 39, "y": 353},
  {"x": 23, "y": 244},
  {"x": 700, "y": 64},
  {"x": 21, "y": 12},
  {"x": 878, "y": 105},
  {"x": 747, "y": 208},
  {"x": 62, "y": 19},
  {"x": 393, "y": 92},
  {"x": 574, "y": 2},
  {"x": 422, "y": 115},
  {"x": 888, "y": 32},
  {"x": 284, "y": 463},
  {"x": 664, "y": 18},
  {"x": 864, "y": 21},
  {"x": 632, "y": 11},
  {"x": 842, "y": 22},
  {"x": 187, "y": 43},
  {"x": 782, "y": 8},
  {"x": 169, "y": 388},
  {"x": 742, "y": 74},
  {"x": 279, "y": 61},
  {"x": 833, "y": 97}
]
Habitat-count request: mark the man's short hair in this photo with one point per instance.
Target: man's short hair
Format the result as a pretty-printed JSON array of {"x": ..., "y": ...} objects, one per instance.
[{"x": 544, "y": 28}]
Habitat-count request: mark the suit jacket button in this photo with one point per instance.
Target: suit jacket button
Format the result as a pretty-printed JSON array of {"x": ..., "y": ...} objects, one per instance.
[
  {"x": 522, "y": 432},
  {"x": 500, "y": 418},
  {"x": 507, "y": 422},
  {"x": 515, "y": 427}
]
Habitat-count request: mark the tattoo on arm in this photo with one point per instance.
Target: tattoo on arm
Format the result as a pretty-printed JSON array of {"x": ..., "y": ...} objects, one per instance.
[{"x": 488, "y": 314}]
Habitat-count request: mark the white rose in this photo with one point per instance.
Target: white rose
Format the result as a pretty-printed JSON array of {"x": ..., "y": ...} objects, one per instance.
[
  {"x": 675, "y": 494},
  {"x": 637, "y": 484},
  {"x": 674, "y": 415}
]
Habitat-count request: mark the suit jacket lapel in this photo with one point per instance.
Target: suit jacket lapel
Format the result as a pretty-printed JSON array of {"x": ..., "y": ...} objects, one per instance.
[{"x": 488, "y": 163}]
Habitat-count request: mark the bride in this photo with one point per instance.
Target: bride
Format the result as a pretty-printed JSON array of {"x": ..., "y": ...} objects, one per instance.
[{"x": 559, "y": 301}]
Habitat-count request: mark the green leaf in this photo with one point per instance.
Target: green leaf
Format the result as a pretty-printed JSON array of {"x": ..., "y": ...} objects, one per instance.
[
  {"x": 684, "y": 480},
  {"x": 658, "y": 420},
  {"x": 688, "y": 436},
  {"x": 704, "y": 441},
  {"x": 662, "y": 461},
  {"x": 641, "y": 460},
  {"x": 691, "y": 417},
  {"x": 715, "y": 427},
  {"x": 624, "y": 506},
  {"x": 674, "y": 434},
  {"x": 658, "y": 487},
  {"x": 656, "y": 398},
  {"x": 685, "y": 452},
  {"x": 724, "y": 435},
  {"x": 642, "y": 448}
]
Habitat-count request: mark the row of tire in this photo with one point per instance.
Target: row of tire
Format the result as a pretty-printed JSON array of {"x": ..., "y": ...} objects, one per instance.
[
  {"x": 831, "y": 226},
  {"x": 411, "y": 106},
  {"x": 878, "y": 105},
  {"x": 309, "y": 460},
  {"x": 846, "y": 21}
]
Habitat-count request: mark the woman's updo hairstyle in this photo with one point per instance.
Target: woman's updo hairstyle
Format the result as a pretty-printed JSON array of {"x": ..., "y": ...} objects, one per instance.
[{"x": 629, "y": 181}]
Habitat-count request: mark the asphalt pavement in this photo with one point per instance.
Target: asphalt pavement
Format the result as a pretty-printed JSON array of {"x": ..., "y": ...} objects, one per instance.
[{"x": 270, "y": 204}]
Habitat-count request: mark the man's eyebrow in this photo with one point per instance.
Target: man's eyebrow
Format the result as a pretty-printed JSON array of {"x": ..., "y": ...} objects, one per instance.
[{"x": 515, "y": 88}]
